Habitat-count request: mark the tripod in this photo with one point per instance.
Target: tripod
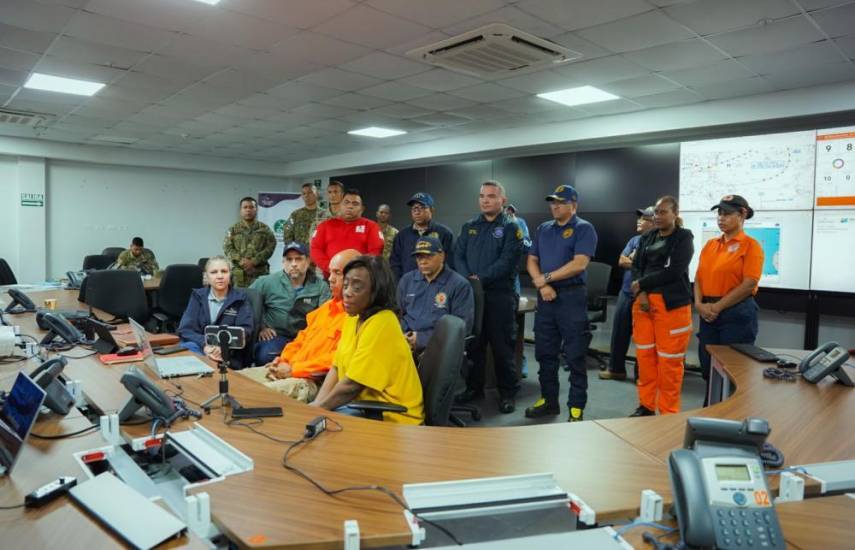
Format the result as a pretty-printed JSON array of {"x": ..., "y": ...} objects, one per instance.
[{"x": 226, "y": 399}]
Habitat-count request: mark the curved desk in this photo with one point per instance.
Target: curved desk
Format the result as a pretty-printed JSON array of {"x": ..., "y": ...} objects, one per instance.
[{"x": 606, "y": 463}]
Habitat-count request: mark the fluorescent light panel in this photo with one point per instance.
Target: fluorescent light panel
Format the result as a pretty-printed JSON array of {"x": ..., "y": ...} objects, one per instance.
[
  {"x": 59, "y": 84},
  {"x": 375, "y": 132},
  {"x": 578, "y": 96},
  {"x": 210, "y": 2}
]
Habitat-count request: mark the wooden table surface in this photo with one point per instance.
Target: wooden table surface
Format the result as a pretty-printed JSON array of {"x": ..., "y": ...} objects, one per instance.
[{"x": 606, "y": 463}]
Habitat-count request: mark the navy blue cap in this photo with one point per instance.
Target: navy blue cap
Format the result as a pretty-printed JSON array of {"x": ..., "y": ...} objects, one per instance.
[
  {"x": 427, "y": 245},
  {"x": 564, "y": 193},
  {"x": 294, "y": 245},
  {"x": 422, "y": 198}
]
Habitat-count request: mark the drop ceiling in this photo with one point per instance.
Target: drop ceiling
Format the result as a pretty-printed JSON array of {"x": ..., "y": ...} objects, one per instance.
[{"x": 285, "y": 80}]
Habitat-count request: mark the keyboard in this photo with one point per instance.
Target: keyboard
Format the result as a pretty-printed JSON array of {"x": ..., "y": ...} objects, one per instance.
[{"x": 758, "y": 354}]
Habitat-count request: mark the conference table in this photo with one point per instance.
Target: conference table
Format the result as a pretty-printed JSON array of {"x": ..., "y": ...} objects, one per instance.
[{"x": 606, "y": 463}]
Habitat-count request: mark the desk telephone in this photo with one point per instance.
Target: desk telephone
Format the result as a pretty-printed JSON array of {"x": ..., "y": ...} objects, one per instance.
[
  {"x": 825, "y": 360},
  {"x": 721, "y": 499}
]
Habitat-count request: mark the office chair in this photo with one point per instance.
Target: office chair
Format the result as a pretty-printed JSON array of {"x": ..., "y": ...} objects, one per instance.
[
  {"x": 201, "y": 263},
  {"x": 598, "y": 283},
  {"x": 257, "y": 305},
  {"x": 97, "y": 261},
  {"x": 176, "y": 285},
  {"x": 439, "y": 369},
  {"x": 113, "y": 252},
  {"x": 119, "y": 293},
  {"x": 7, "y": 277},
  {"x": 477, "y": 324}
]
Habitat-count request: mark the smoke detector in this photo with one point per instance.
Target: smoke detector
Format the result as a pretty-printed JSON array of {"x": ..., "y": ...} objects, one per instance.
[{"x": 494, "y": 51}]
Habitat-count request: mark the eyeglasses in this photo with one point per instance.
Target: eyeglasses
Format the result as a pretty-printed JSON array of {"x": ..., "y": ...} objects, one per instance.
[{"x": 418, "y": 208}]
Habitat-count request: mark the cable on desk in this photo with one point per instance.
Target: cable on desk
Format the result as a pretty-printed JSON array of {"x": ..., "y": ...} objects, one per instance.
[
  {"x": 63, "y": 436},
  {"x": 90, "y": 354},
  {"x": 12, "y": 507},
  {"x": 635, "y": 524},
  {"x": 251, "y": 427},
  {"x": 649, "y": 538},
  {"x": 379, "y": 488}
]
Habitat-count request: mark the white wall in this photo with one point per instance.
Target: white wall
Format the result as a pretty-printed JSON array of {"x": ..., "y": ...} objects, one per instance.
[
  {"x": 8, "y": 211},
  {"x": 182, "y": 215}
]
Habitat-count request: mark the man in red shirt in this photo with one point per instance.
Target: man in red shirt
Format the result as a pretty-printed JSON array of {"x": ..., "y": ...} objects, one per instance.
[{"x": 348, "y": 230}]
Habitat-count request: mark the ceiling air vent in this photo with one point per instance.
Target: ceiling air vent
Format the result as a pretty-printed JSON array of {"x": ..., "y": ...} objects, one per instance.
[
  {"x": 18, "y": 118},
  {"x": 493, "y": 51}
]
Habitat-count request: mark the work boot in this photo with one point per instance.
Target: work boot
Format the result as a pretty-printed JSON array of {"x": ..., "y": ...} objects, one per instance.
[
  {"x": 467, "y": 396},
  {"x": 576, "y": 415},
  {"x": 643, "y": 411},
  {"x": 507, "y": 405},
  {"x": 609, "y": 375},
  {"x": 541, "y": 408}
]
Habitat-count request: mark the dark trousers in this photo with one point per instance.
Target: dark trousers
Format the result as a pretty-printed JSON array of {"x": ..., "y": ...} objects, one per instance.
[
  {"x": 498, "y": 331},
  {"x": 562, "y": 325},
  {"x": 735, "y": 325},
  {"x": 621, "y": 333},
  {"x": 267, "y": 351}
]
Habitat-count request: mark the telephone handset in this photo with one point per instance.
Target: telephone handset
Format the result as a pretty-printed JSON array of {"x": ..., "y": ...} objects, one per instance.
[
  {"x": 824, "y": 360},
  {"x": 721, "y": 499},
  {"x": 75, "y": 279},
  {"x": 46, "y": 376},
  {"x": 144, "y": 393},
  {"x": 21, "y": 303},
  {"x": 58, "y": 326}
]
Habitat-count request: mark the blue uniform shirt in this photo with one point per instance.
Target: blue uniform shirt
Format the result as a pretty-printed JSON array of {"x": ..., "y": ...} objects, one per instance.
[
  {"x": 490, "y": 250},
  {"x": 630, "y": 247},
  {"x": 422, "y": 303},
  {"x": 555, "y": 245},
  {"x": 401, "y": 259}
]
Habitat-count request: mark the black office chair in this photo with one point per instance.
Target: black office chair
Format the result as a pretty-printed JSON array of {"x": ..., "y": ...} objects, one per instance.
[
  {"x": 97, "y": 261},
  {"x": 201, "y": 263},
  {"x": 113, "y": 252},
  {"x": 257, "y": 305},
  {"x": 598, "y": 283},
  {"x": 477, "y": 324},
  {"x": 176, "y": 285},
  {"x": 439, "y": 369},
  {"x": 119, "y": 293},
  {"x": 7, "y": 277}
]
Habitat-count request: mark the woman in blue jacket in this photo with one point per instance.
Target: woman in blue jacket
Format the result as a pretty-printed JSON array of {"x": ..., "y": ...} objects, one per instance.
[{"x": 217, "y": 304}]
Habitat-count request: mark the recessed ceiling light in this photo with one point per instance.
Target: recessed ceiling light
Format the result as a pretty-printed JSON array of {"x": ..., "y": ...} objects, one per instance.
[
  {"x": 211, "y": 2},
  {"x": 376, "y": 132},
  {"x": 52, "y": 83},
  {"x": 578, "y": 96}
]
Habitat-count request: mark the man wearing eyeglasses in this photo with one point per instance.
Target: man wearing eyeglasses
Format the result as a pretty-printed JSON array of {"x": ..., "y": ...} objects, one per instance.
[{"x": 421, "y": 212}]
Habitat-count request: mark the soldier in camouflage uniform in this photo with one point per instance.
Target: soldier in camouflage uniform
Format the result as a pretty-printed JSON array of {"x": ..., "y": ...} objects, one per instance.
[
  {"x": 335, "y": 194},
  {"x": 384, "y": 215},
  {"x": 299, "y": 224},
  {"x": 248, "y": 245},
  {"x": 137, "y": 258}
]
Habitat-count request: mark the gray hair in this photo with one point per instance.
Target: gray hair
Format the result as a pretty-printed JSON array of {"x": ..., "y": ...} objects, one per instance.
[{"x": 220, "y": 258}]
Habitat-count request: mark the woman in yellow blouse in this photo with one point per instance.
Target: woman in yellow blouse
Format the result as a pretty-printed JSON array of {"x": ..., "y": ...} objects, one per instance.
[{"x": 373, "y": 361}]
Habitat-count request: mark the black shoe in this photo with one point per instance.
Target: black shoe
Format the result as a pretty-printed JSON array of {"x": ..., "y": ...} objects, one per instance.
[
  {"x": 541, "y": 408},
  {"x": 468, "y": 396},
  {"x": 642, "y": 411},
  {"x": 507, "y": 405}
]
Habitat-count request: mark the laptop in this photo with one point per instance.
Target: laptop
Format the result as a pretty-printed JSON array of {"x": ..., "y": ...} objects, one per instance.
[
  {"x": 17, "y": 416},
  {"x": 167, "y": 367}
]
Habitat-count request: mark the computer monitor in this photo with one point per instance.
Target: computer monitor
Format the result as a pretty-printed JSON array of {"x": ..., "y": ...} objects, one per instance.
[{"x": 17, "y": 416}]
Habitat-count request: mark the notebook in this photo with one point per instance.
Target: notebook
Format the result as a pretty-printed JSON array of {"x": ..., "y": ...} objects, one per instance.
[
  {"x": 19, "y": 413},
  {"x": 170, "y": 367}
]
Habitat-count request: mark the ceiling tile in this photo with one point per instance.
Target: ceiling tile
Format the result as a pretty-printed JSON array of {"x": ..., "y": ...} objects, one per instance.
[
  {"x": 847, "y": 44},
  {"x": 436, "y": 13},
  {"x": 482, "y": 112},
  {"x": 716, "y": 16},
  {"x": 262, "y": 100},
  {"x": 676, "y": 56},
  {"x": 34, "y": 16},
  {"x": 385, "y": 66},
  {"x": 368, "y": 118},
  {"x": 308, "y": 14},
  {"x": 527, "y": 105},
  {"x": 11, "y": 77},
  {"x": 513, "y": 16},
  {"x": 144, "y": 85},
  {"x": 369, "y": 27},
  {"x": 723, "y": 71},
  {"x": 24, "y": 39},
  {"x": 244, "y": 82},
  {"x": 673, "y": 98},
  {"x": 395, "y": 91},
  {"x": 602, "y": 70},
  {"x": 441, "y": 102},
  {"x": 635, "y": 87},
  {"x": 110, "y": 107},
  {"x": 161, "y": 14},
  {"x": 281, "y": 66},
  {"x": 173, "y": 68},
  {"x": 487, "y": 92},
  {"x": 611, "y": 107},
  {"x": 537, "y": 83},
  {"x": 59, "y": 67},
  {"x": 636, "y": 32},
  {"x": 442, "y": 119},
  {"x": 779, "y": 35},
  {"x": 812, "y": 75},
  {"x": 113, "y": 32},
  {"x": 322, "y": 110},
  {"x": 17, "y": 60},
  {"x": 318, "y": 49},
  {"x": 583, "y": 14},
  {"x": 27, "y": 94},
  {"x": 588, "y": 49},
  {"x": 810, "y": 5},
  {"x": 735, "y": 88},
  {"x": 7, "y": 91},
  {"x": 818, "y": 53},
  {"x": 440, "y": 80},
  {"x": 356, "y": 101},
  {"x": 205, "y": 52},
  {"x": 240, "y": 30},
  {"x": 340, "y": 80},
  {"x": 402, "y": 110},
  {"x": 84, "y": 51},
  {"x": 302, "y": 92},
  {"x": 836, "y": 22}
]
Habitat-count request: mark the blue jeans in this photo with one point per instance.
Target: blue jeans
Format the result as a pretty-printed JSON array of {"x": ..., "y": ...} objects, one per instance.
[
  {"x": 562, "y": 325},
  {"x": 621, "y": 333},
  {"x": 735, "y": 325},
  {"x": 268, "y": 350},
  {"x": 192, "y": 346}
]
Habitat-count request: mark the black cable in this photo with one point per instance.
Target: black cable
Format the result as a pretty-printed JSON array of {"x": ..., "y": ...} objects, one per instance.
[
  {"x": 63, "y": 436},
  {"x": 11, "y": 507},
  {"x": 231, "y": 421}
]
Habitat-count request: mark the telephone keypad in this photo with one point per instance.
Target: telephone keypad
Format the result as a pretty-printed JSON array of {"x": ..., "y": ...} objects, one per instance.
[{"x": 737, "y": 528}]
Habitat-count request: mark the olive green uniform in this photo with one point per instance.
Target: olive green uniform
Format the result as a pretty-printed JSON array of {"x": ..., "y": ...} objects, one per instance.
[
  {"x": 144, "y": 263},
  {"x": 321, "y": 215},
  {"x": 253, "y": 240},
  {"x": 299, "y": 226},
  {"x": 389, "y": 233}
]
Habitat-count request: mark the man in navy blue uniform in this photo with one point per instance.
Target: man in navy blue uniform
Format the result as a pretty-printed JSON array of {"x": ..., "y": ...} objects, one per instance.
[
  {"x": 421, "y": 211},
  {"x": 431, "y": 291},
  {"x": 559, "y": 256},
  {"x": 488, "y": 249}
]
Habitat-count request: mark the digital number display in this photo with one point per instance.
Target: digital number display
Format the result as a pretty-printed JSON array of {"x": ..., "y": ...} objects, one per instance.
[{"x": 726, "y": 472}]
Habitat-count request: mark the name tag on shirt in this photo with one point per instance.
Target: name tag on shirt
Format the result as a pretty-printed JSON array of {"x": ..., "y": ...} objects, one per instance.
[
  {"x": 360, "y": 229},
  {"x": 230, "y": 311},
  {"x": 733, "y": 247}
]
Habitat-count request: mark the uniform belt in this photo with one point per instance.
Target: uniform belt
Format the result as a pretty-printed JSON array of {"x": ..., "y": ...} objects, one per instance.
[{"x": 710, "y": 299}]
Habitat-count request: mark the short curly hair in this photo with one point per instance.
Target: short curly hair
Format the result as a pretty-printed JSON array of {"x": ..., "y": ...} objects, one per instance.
[{"x": 382, "y": 284}]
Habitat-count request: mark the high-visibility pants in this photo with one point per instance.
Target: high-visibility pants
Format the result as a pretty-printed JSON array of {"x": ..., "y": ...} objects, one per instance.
[{"x": 661, "y": 339}]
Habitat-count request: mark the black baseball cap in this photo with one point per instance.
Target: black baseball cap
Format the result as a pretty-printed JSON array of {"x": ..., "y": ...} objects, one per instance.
[
  {"x": 427, "y": 245},
  {"x": 733, "y": 203}
]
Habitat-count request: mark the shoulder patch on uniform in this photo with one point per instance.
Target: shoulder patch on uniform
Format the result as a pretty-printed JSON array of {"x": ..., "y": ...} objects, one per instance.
[
  {"x": 519, "y": 234},
  {"x": 473, "y": 231},
  {"x": 567, "y": 233}
]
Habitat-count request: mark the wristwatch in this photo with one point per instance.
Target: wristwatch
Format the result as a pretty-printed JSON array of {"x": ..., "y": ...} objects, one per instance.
[{"x": 547, "y": 276}]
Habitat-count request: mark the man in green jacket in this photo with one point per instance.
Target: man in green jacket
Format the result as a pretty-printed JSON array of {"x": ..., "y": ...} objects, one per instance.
[
  {"x": 249, "y": 244},
  {"x": 138, "y": 258}
]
